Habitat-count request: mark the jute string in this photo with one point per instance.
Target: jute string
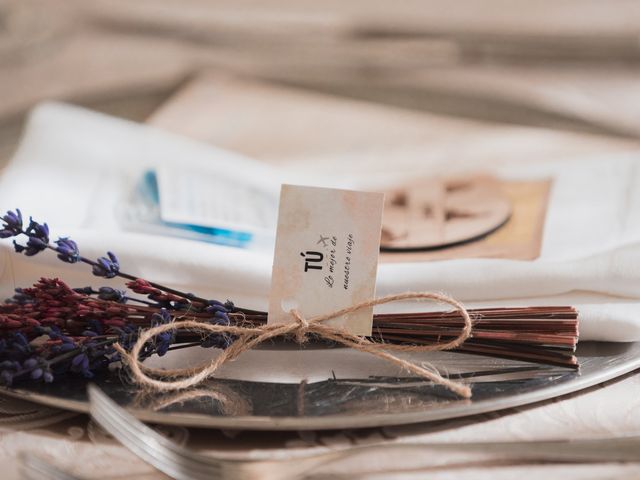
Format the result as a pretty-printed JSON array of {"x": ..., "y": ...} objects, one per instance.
[{"x": 249, "y": 337}]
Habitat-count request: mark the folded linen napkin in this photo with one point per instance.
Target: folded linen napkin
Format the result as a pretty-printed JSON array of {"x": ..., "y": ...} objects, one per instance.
[{"x": 74, "y": 167}]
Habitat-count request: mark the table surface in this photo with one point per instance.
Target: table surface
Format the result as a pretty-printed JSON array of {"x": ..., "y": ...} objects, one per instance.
[{"x": 121, "y": 72}]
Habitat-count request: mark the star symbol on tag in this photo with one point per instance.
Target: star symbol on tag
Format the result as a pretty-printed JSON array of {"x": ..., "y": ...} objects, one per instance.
[{"x": 323, "y": 240}]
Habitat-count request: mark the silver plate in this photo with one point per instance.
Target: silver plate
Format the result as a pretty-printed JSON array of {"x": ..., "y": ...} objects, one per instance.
[{"x": 285, "y": 388}]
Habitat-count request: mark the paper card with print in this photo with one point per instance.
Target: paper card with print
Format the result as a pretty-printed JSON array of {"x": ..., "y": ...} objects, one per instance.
[{"x": 326, "y": 254}]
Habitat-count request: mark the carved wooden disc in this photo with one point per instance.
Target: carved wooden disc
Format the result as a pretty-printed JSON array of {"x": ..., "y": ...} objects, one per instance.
[{"x": 437, "y": 213}]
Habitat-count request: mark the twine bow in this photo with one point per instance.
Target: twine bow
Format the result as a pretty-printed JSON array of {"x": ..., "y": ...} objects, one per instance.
[{"x": 249, "y": 337}]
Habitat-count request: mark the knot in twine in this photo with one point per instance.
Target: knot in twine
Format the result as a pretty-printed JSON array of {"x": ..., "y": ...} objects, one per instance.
[{"x": 249, "y": 337}]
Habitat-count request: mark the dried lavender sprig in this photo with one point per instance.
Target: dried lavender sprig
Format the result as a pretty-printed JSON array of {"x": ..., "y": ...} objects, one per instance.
[
  {"x": 67, "y": 250},
  {"x": 113, "y": 294},
  {"x": 89, "y": 353},
  {"x": 51, "y": 301},
  {"x": 86, "y": 356},
  {"x": 50, "y": 306},
  {"x": 26, "y": 360}
]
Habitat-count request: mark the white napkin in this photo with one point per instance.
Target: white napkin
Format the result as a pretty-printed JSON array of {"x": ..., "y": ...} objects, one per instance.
[{"x": 74, "y": 167}]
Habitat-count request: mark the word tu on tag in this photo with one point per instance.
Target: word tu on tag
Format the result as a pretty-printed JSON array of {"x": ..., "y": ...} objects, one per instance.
[{"x": 326, "y": 255}]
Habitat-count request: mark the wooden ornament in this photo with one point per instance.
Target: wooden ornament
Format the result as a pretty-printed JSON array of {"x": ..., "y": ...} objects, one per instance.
[{"x": 438, "y": 213}]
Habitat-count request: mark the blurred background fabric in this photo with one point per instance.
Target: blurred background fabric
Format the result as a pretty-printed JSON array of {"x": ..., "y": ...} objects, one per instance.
[{"x": 567, "y": 65}]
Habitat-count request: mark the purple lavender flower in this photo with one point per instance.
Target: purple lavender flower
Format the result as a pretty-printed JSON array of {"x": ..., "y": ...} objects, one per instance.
[
  {"x": 33, "y": 366},
  {"x": 12, "y": 224},
  {"x": 221, "y": 318},
  {"x": 38, "y": 230},
  {"x": 36, "y": 367},
  {"x": 19, "y": 343},
  {"x": 126, "y": 336},
  {"x": 38, "y": 241},
  {"x": 224, "y": 340},
  {"x": 33, "y": 247},
  {"x": 160, "y": 318},
  {"x": 107, "y": 267},
  {"x": 30, "y": 363},
  {"x": 67, "y": 250},
  {"x": 215, "y": 306},
  {"x": 67, "y": 344},
  {"x": 164, "y": 340},
  {"x": 80, "y": 363},
  {"x": 84, "y": 290},
  {"x": 112, "y": 294}
]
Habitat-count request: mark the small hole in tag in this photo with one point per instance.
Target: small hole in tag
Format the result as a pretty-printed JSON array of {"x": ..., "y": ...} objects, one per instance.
[{"x": 289, "y": 304}]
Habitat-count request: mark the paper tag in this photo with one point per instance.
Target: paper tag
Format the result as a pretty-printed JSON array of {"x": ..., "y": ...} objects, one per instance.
[{"x": 326, "y": 254}]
